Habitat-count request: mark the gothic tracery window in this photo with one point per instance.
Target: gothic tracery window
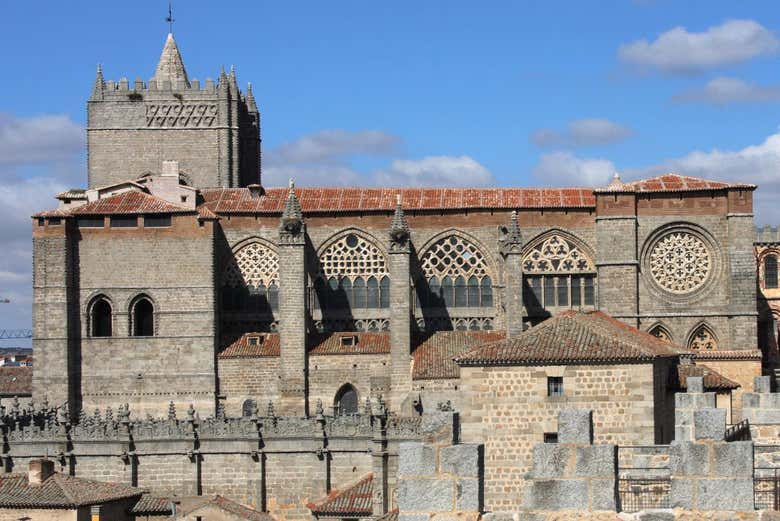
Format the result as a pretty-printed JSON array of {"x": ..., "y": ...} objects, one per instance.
[
  {"x": 250, "y": 283},
  {"x": 661, "y": 332},
  {"x": 557, "y": 273},
  {"x": 770, "y": 272},
  {"x": 680, "y": 262},
  {"x": 703, "y": 339},
  {"x": 353, "y": 275}
]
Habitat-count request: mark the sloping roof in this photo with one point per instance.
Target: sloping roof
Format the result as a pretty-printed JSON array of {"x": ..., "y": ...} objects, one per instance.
[
  {"x": 60, "y": 491},
  {"x": 171, "y": 66},
  {"x": 240, "y": 200},
  {"x": 16, "y": 381},
  {"x": 228, "y": 505},
  {"x": 352, "y": 500},
  {"x": 434, "y": 355},
  {"x": 132, "y": 202},
  {"x": 152, "y": 505},
  {"x": 572, "y": 337},
  {"x": 267, "y": 345},
  {"x": 713, "y": 381},
  {"x": 672, "y": 183},
  {"x": 733, "y": 354},
  {"x": 367, "y": 343}
]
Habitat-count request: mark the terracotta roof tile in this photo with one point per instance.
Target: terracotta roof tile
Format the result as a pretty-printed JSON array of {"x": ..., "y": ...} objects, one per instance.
[
  {"x": 152, "y": 505},
  {"x": 315, "y": 199},
  {"x": 129, "y": 203},
  {"x": 267, "y": 345},
  {"x": 672, "y": 183},
  {"x": 16, "y": 381},
  {"x": 735, "y": 354},
  {"x": 713, "y": 381},
  {"x": 366, "y": 343},
  {"x": 433, "y": 355},
  {"x": 60, "y": 491},
  {"x": 57, "y": 212},
  {"x": 228, "y": 505},
  {"x": 352, "y": 500},
  {"x": 572, "y": 337}
]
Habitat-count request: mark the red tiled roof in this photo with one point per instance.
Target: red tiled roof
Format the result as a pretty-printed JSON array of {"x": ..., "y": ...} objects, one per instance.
[
  {"x": 60, "y": 491},
  {"x": 735, "y": 354},
  {"x": 129, "y": 203},
  {"x": 572, "y": 337},
  {"x": 353, "y": 500},
  {"x": 713, "y": 381},
  {"x": 228, "y": 505},
  {"x": 672, "y": 183},
  {"x": 239, "y": 200},
  {"x": 151, "y": 505},
  {"x": 16, "y": 381},
  {"x": 368, "y": 343},
  {"x": 267, "y": 345},
  {"x": 57, "y": 212},
  {"x": 434, "y": 355}
]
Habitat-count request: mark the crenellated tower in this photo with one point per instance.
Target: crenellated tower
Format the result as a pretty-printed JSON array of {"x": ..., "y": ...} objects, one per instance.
[{"x": 211, "y": 129}]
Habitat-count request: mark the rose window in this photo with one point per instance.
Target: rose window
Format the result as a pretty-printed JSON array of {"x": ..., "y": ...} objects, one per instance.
[{"x": 680, "y": 262}]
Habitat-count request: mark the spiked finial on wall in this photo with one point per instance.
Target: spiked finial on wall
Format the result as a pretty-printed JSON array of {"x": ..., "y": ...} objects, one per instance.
[
  {"x": 512, "y": 239},
  {"x": 291, "y": 223},
  {"x": 399, "y": 228},
  {"x": 250, "y": 98},
  {"x": 99, "y": 88}
]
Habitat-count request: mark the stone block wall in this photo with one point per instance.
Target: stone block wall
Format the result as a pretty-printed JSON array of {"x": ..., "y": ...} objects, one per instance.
[
  {"x": 761, "y": 407},
  {"x": 686, "y": 404},
  {"x": 573, "y": 474},
  {"x": 709, "y": 473},
  {"x": 437, "y": 482}
]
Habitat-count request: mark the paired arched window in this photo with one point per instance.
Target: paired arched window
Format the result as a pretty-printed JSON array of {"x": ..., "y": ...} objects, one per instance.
[
  {"x": 100, "y": 318},
  {"x": 703, "y": 339},
  {"x": 353, "y": 275},
  {"x": 346, "y": 400},
  {"x": 142, "y": 317},
  {"x": 770, "y": 272},
  {"x": 557, "y": 274},
  {"x": 250, "y": 282},
  {"x": 455, "y": 274}
]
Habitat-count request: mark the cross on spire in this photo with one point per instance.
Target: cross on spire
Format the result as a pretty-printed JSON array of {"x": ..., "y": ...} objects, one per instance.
[{"x": 170, "y": 18}]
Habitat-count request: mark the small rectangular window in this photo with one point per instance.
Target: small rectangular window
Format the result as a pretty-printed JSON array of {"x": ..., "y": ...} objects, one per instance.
[
  {"x": 554, "y": 386},
  {"x": 348, "y": 341},
  {"x": 55, "y": 221},
  {"x": 157, "y": 221},
  {"x": 255, "y": 340},
  {"x": 41, "y": 221},
  {"x": 549, "y": 291},
  {"x": 551, "y": 437},
  {"x": 91, "y": 222},
  {"x": 124, "y": 221}
]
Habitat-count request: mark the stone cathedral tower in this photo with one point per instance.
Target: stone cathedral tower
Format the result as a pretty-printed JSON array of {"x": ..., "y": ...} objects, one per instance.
[{"x": 212, "y": 130}]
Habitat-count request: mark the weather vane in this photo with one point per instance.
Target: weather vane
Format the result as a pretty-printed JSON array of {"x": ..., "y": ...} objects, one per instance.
[{"x": 170, "y": 18}]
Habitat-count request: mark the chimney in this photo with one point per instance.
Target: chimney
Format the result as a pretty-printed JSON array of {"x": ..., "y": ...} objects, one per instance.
[
  {"x": 39, "y": 471},
  {"x": 170, "y": 169},
  {"x": 255, "y": 190}
]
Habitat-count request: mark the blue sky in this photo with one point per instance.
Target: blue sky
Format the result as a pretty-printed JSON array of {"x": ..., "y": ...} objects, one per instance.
[{"x": 504, "y": 93}]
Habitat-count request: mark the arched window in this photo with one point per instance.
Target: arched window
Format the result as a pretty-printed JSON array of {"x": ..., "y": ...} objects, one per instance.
[
  {"x": 661, "y": 332},
  {"x": 356, "y": 265},
  {"x": 346, "y": 400},
  {"x": 770, "y": 272},
  {"x": 250, "y": 281},
  {"x": 703, "y": 339},
  {"x": 463, "y": 272},
  {"x": 142, "y": 316},
  {"x": 100, "y": 318},
  {"x": 248, "y": 408},
  {"x": 557, "y": 274}
]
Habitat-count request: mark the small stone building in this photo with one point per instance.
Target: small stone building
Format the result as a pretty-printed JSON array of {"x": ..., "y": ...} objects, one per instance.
[{"x": 515, "y": 389}]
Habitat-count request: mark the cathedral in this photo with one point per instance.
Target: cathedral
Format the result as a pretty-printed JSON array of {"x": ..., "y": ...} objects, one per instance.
[{"x": 177, "y": 276}]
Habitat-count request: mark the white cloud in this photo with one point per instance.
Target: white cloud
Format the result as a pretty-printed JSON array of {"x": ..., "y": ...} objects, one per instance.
[
  {"x": 435, "y": 171},
  {"x": 565, "y": 169},
  {"x": 39, "y": 139},
  {"x": 330, "y": 145},
  {"x": 680, "y": 51},
  {"x": 724, "y": 91},
  {"x": 583, "y": 132}
]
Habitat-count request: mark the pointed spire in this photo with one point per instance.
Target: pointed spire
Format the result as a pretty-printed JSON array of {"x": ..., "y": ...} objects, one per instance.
[
  {"x": 223, "y": 79},
  {"x": 292, "y": 216},
  {"x": 616, "y": 181},
  {"x": 99, "y": 88},
  {"x": 171, "y": 66},
  {"x": 399, "y": 228},
  {"x": 232, "y": 78},
  {"x": 512, "y": 240},
  {"x": 250, "y": 98}
]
